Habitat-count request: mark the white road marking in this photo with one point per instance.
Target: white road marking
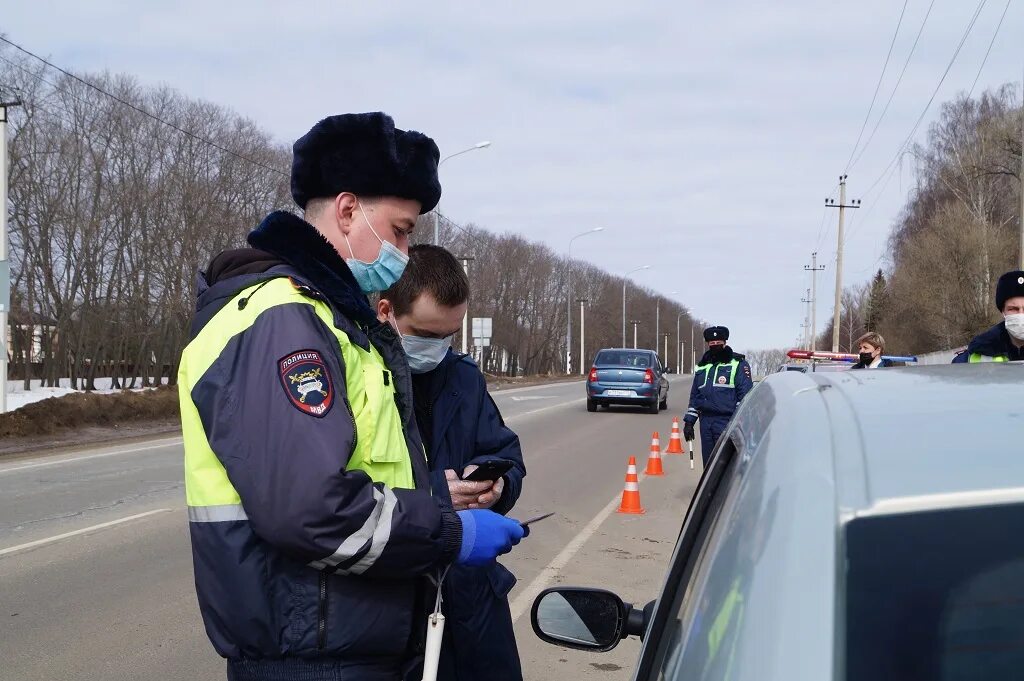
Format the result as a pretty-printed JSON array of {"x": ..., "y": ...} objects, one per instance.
[
  {"x": 498, "y": 392},
  {"x": 87, "y": 457},
  {"x": 526, "y": 398},
  {"x": 516, "y": 417},
  {"x": 75, "y": 533}
]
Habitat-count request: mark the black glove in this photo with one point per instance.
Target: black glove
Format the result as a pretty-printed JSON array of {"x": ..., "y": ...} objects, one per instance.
[{"x": 688, "y": 432}]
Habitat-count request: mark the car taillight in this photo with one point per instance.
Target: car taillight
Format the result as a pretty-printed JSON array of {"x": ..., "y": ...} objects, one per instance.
[
  {"x": 648, "y": 376},
  {"x": 593, "y": 375}
]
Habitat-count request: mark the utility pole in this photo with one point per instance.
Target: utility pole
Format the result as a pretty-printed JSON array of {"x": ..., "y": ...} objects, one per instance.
[
  {"x": 635, "y": 323},
  {"x": 842, "y": 206},
  {"x": 808, "y": 330},
  {"x": 568, "y": 302},
  {"x": 665, "y": 354},
  {"x": 814, "y": 269},
  {"x": 465, "y": 318},
  {"x": 5, "y": 266},
  {"x": 583, "y": 333}
]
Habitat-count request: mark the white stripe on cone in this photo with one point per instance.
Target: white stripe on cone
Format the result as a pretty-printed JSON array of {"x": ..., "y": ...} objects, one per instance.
[{"x": 632, "y": 487}]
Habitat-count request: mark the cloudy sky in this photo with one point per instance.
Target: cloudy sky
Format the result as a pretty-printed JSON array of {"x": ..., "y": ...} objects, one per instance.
[{"x": 704, "y": 137}]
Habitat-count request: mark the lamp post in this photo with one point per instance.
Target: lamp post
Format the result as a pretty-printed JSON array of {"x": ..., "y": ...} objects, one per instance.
[
  {"x": 657, "y": 319},
  {"x": 625, "y": 280},
  {"x": 636, "y": 323},
  {"x": 693, "y": 350},
  {"x": 583, "y": 332},
  {"x": 568, "y": 301},
  {"x": 679, "y": 346},
  {"x": 5, "y": 270},
  {"x": 437, "y": 208}
]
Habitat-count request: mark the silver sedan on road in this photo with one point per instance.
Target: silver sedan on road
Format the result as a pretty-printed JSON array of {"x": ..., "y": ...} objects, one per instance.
[{"x": 861, "y": 525}]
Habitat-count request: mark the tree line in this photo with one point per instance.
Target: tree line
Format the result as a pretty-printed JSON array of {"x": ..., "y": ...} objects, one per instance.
[
  {"x": 957, "y": 232},
  {"x": 112, "y": 212}
]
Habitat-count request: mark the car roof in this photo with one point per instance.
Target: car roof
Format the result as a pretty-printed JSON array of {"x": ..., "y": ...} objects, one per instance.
[{"x": 909, "y": 438}]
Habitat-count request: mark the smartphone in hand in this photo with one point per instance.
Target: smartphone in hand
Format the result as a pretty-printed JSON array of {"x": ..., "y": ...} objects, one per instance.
[{"x": 489, "y": 471}]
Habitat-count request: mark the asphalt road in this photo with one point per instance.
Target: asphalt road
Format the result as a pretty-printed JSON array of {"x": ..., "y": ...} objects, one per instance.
[{"x": 95, "y": 565}]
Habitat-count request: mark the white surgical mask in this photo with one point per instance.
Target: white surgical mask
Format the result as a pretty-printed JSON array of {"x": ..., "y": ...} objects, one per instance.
[
  {"x": 1015, "y": 325},
  {"x": 423, "y": 354}
]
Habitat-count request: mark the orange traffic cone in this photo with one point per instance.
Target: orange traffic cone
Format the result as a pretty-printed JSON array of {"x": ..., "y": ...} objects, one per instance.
[
  {"x": 631, "y": 493},
  {"x": 675, "y": 443},
  {"x": 654, "y": 459}
]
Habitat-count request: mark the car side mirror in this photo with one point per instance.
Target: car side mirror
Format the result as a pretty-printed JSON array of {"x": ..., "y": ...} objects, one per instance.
[{"x": 587, "y": 619}]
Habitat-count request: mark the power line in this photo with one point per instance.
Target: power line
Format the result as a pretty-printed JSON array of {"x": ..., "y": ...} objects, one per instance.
[
  {"x": 822, "y": 232},
  {"x": 895, "y": 168},
  {"x": 989, "y": 50},
  {"x": 931, "y": 99},
  {"x": 896, "y": 87},
  {"x": 878, "y": 87},
  {"x": 123, "y": 102}
]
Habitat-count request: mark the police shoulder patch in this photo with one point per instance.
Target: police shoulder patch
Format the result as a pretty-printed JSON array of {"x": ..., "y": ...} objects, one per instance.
[
  {"x": 746, "y": 370},
  {"x": 307, "y": 382}
]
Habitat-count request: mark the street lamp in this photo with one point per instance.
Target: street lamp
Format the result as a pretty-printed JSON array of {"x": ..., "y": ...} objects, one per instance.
[
  {"x": 625, "y": 280},
  {"x": 437, "y": 208},
  {"x": 568, "y": 301},
  {"x": 583, "y": 332},
  {"x": 679, "y": 346}
]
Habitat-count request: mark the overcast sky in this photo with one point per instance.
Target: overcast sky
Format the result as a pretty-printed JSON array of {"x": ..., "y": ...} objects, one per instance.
[{"x": 704, "y": 137}]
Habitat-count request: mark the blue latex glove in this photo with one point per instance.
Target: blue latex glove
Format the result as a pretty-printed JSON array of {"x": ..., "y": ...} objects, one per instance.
[{"x": 486, "y": 535}]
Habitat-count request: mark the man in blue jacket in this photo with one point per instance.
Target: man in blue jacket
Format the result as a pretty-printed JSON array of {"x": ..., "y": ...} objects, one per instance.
[
  {"x": 1004, "y": 342},
  {"x": 720, "y": 383},
  {"x": 461, "y": 428}
]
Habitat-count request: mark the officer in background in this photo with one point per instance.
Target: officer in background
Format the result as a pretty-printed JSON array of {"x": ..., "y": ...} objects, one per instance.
[
  {"x": 310, "y": 511},
  {"x": 1004, "y": 342},
  {"x": 870, "y": 347},
  {"x": 461, "y": 428},
  {"x": 720, "y": 383}
]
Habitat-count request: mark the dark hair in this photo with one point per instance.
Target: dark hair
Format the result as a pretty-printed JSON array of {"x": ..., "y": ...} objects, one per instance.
[{"x": 432, "y": 270}]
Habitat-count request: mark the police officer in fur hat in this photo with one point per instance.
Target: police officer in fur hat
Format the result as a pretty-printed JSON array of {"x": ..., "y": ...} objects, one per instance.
[
  {"x": 312, "y": 521},
  {"x": 720, "y": 383},
  {"x": 1004, "y": 342}
]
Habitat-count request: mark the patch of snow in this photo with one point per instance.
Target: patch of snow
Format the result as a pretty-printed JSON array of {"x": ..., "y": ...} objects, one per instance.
[{"x": 18, "y": 397}]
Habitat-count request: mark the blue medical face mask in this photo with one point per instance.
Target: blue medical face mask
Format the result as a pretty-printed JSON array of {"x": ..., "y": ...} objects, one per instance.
[
  {"x": 383, "y": 272},
  {"x": 424, "y": 354}
]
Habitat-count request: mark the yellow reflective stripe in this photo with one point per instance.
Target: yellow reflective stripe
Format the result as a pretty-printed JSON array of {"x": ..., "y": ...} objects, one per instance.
[
  {"x": 978, "y": 358},
  {"x": 205, "y": 348}
]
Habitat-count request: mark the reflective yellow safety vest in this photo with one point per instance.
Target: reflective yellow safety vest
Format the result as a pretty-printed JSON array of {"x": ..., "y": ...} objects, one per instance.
[{"x": 380, "y": 445}]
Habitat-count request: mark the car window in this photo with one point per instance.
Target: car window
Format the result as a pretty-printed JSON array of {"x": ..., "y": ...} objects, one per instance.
[
  {"x": 702, "y": 603},
  {"x": 936, "y": 595},
  {"x": 637, "y": 360}
]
